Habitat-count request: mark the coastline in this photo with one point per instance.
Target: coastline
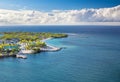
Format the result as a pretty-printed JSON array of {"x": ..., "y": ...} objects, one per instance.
[
  {"x": 22, "y": 53},
  {"x": 15, "y": 43},
  {"x": 43, "y": 40},
  {"x": 49, "y": 48}
]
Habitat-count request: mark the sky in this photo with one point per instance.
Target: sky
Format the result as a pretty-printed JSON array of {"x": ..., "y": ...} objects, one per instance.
[
  {"x": 59, "y": 11},
  {"x": 47, "y": 5}
]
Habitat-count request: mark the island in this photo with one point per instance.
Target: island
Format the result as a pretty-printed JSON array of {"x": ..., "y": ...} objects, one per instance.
[{"x": 18, "y": 44}]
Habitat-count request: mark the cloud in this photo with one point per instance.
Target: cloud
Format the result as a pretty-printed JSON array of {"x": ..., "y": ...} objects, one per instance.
[{"x": 83, "y": 16}]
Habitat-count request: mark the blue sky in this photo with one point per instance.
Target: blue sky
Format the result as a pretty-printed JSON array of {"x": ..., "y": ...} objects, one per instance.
[
  {"x": 81, "y": 12},
  {"x": 46, "y": 5}
]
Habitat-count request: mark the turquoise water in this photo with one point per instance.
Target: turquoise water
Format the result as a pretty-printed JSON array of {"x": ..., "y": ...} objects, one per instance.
[
  {"x": 88, "y": 56},
  {"x": 11, "y": 47}
]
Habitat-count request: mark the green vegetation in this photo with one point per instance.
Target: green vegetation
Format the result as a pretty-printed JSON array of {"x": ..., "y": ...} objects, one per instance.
[
  {"x": 30, "y": 36},
  {"x": 8, "y": 49},
  {"x": 10, "y": 42},
  {"x": 35, "y": 45}
]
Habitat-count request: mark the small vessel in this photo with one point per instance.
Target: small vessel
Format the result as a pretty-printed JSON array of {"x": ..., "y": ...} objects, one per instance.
[{"x": 21, "y": 56}]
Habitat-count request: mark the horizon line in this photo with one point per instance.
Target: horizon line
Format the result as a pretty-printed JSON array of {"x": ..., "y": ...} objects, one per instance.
[{"x": 72, "y": 24}]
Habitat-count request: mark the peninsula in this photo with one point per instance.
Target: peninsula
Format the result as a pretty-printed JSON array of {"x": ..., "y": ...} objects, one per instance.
[{"x": 18, "y": 44}]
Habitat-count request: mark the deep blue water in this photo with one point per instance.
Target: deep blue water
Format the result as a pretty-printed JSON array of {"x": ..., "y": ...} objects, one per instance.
[{"x": 91, "y": 54}]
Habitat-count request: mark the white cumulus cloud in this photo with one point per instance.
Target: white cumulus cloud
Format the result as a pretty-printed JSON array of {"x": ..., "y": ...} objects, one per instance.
[{"x": 83, "y": 16}]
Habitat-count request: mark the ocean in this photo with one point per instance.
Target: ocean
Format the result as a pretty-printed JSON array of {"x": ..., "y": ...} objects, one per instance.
[{"x": 90, "y": 54}]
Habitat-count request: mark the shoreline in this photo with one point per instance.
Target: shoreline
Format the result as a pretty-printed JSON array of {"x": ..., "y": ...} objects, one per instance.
[
  {"x": 22, "y": 53},
  {"x": 43, "y": 40},
  {"x": 33, "y": 43},
  {"x": 49, "y": 48}
]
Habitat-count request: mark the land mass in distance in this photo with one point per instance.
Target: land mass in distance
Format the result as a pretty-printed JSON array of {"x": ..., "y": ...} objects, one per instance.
[{"x": 16, "y": 44}]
